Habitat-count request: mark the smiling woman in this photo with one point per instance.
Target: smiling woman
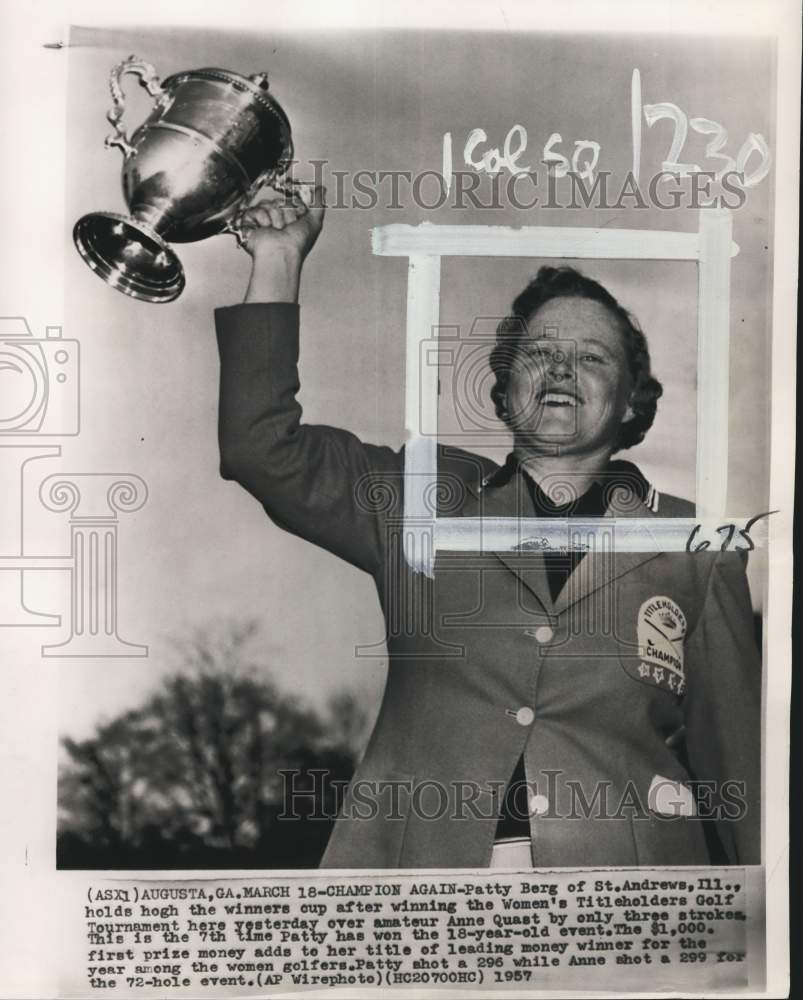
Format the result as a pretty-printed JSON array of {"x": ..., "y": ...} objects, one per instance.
[
  {"x": 572, "y": 370},
  {"x": 530, "y": 694}
]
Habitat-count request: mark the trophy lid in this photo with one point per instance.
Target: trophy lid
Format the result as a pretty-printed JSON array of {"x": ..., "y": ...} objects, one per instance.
[{"x": 255, "y": 87}]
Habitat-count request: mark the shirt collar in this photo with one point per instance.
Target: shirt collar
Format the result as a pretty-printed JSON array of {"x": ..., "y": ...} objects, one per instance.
[{"x": 618, "y": 477}]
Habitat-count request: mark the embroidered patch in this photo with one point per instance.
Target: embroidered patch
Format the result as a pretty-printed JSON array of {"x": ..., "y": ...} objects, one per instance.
[{"x": 661, "y": 629}]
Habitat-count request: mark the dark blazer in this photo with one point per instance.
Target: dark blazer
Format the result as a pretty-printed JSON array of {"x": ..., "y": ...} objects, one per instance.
[{"x": 639, "y": 679}]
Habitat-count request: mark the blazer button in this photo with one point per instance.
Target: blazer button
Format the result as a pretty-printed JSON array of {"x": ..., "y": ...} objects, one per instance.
[
  {"x": 539, "y": 804},
  {"x": 543, "y": 634},
  {"x": 525, "y": 716}
]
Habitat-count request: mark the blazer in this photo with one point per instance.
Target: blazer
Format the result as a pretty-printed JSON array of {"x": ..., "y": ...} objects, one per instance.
[{"x": 634, "y": 695}]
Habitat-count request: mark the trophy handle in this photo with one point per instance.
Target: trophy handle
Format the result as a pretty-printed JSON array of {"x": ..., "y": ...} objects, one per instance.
[
  {"x": 284, "y": 185},
  {"x": 148, "y": 78}
]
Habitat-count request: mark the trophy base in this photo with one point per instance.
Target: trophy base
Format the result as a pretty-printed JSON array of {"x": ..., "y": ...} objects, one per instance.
[{"x": 129, "y": 256}]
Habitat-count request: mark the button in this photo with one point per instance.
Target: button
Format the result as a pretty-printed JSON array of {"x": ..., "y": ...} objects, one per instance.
[
  {"x": 539, "y": 804},
  {"x": 525, "y": 716},
  {"x": 544, "y": 633}
]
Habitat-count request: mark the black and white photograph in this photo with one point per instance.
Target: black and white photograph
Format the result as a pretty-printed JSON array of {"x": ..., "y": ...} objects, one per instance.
[{"x": 397, "y": 492}]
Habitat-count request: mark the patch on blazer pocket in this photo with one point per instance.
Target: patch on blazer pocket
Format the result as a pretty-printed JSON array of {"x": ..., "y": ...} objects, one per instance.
[{"x": 660, "y": 632}]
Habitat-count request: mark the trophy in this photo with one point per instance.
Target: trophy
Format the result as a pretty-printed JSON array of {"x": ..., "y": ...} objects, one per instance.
[{"x": 211, "y": 141}]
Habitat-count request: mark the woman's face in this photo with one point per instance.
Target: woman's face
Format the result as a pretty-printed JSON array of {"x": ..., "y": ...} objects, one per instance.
[{"x": 570, "y": 382}]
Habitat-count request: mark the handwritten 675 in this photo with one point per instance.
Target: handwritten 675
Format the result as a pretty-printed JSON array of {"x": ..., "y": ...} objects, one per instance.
[{"x": 731, "y": 538}]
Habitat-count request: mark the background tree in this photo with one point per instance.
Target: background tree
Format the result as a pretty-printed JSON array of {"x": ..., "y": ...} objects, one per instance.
[{"x": 218, "y": 768}]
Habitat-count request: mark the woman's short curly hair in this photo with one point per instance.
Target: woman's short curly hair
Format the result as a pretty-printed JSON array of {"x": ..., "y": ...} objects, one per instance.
[{"x": 567, "y": 282}]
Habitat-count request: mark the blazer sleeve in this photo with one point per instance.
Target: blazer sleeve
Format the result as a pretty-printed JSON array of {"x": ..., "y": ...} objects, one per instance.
[
  {"x": 318, "y": 482},
  {"x": 722, "y": 708}
]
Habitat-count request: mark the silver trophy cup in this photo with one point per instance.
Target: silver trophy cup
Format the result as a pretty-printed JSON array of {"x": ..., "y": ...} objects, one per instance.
[{"x": 211, "y": 141}]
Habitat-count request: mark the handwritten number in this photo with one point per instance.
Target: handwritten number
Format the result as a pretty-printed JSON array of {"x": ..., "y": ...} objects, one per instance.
[
  {"x": 729, "y": 531},
  {"x": 586, "y": 155},
  {"x": 754, "y": 143},
  {"x": 701, "y": 546},
  {"x": 654, "y": 113},
  {"x": 707, "y": 127}
]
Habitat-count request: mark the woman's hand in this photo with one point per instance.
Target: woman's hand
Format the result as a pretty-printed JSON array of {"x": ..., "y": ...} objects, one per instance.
[{"x": 279, "y": 233}]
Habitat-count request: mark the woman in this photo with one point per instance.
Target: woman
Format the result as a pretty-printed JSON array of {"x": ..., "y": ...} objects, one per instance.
[{"x": 602, "y": 685}]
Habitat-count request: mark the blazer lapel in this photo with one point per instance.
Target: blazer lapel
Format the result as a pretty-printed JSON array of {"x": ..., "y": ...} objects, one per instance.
[
  {"x": 512, "y": 499},
  {"x": 599, "y": 566},
  {"x": 602, "y": 564}
]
